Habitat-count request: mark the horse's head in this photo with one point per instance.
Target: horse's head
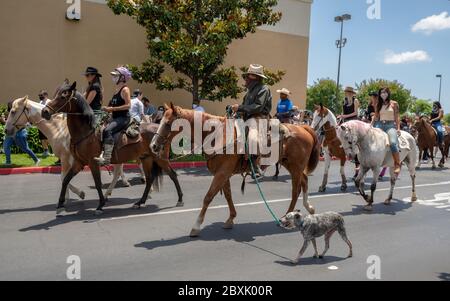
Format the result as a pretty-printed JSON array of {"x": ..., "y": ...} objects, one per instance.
[
  {"x": 171, "y": 114},
  {"x": 18, "y": 116},
  {"x": 349, "y": 139},
  {"x": 62, "y": 101},
  {"x": 321, "y": 116}
]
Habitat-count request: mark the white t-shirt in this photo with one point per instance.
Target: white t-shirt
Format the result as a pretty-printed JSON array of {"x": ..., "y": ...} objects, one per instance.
[{"x": 136, "y": 109}]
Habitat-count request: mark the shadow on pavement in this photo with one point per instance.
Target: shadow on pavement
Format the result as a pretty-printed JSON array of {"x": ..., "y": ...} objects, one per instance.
[{"x": 312, "y": 261}]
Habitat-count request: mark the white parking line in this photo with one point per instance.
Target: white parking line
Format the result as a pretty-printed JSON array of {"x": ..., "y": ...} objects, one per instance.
[{"x": 260, "y": 202}]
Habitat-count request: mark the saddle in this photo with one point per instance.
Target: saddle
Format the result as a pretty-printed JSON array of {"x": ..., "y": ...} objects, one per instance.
[{"x": 129, "y": 135}]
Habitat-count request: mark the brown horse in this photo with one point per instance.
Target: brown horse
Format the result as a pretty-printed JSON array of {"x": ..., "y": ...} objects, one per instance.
[
  {"x": 447, "y": 142},
  {"x": 300, "y": 156},
  {"x": 427, "y": 140},
  {"x": 86, "y": 144},
  {"x": 324, "y": 120}
]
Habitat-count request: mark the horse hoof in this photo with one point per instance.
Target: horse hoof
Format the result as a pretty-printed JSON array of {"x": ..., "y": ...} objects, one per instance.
[
  {"x": 143, "y": 180},
  {"x": 98, "y": 212},
  {"x": 60, "y": 210},
  {"x": 344, "y": 188},
  {"x": 126, "y": 184},
  {"x": 387, "y": 202},
  {"x": 82, "y": 195},
  {"x": 228, "y": 226},
  {"x": 194, "y": 233},
  {"x": 366, "y": 198},
  {"x": 137, "y": 206},
  {"x": 311, "y": 210},
  {"x": 368, "y": 208},
  {"x": 180, "y": 204},
  {"x": 414, "y": 199},
  {"x": 322, "y": 189}
]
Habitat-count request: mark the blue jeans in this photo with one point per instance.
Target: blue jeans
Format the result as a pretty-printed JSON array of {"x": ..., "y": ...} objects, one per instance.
[
  {"x": 21, "y": 141},
  {"x": 390, "y": 129},
  {"x": 440, "y": 131}
]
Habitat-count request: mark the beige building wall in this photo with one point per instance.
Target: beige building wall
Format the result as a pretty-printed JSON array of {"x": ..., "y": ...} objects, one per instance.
[{"x": 40, "y": 48}]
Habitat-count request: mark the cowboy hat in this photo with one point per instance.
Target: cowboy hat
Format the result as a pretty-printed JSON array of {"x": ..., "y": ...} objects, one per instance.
[
  {"x": 350, "y": 90},
  {"x": 284, "y": 91},
  {"x": 257, "y": 70},
  {"x": 92, "y": 70}
]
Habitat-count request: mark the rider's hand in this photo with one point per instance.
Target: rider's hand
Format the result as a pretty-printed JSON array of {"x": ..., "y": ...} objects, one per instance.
[
  {"x": 107, "y": 109},
  {"x": 399, "y": 133},
  {"x": 235, "y": 108}
]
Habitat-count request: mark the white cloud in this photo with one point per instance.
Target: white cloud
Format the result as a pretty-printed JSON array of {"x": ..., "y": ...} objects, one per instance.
[
  {"x": 392, "y": 58},
  {"x": 433, "y": 23}
]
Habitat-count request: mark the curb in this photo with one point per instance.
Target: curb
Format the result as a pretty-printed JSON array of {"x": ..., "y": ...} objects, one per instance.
[
  {"x": 57, "y": 169},
  {"x": 127, "y": 167}
]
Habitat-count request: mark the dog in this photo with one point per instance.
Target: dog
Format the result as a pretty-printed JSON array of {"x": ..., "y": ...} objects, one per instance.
[{"x": 315, "y": 226}]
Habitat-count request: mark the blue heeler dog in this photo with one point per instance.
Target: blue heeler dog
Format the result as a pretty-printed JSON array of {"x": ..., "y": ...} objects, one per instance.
[{"x": 315, "y": 226}]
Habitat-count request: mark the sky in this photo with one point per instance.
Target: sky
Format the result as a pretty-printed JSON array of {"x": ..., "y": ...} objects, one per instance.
[{"x": 409, "y": 43}]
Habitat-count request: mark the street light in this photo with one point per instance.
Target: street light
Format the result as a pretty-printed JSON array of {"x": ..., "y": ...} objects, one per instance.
[
  {"x": 340, "y": 44},
  {"x": 440, "y": 85}
]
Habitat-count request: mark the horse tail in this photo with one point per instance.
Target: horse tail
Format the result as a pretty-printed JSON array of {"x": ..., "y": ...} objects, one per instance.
[
  {"x": 157, "y": 175},
  {"x": 314, "y": 157}
]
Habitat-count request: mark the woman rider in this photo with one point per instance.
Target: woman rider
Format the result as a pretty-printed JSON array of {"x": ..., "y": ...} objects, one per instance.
[
  {"x": 388, "y": 117},
  {"x": 436, "y": 116},
  {"x": 350, "y": 109},
  {"x": 119, "y": 107},
  {"x": 94, "y": 92}
]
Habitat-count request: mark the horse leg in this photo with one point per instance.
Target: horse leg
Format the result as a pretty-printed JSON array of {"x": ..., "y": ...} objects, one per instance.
[
  {"x": 116, "y": 175},
  {"x": 217, "y": 184},
  {"x": 69, "y": 176},
  {"x": 227, "y": 192},
  {"x": 148, "y": 164},
  {"x": 442, "y": 162},
  {"x": 419, "y": 161},
  {"x": 391, "y": 191},
  {"x": 304, "y": 185},
  {"x": 122, "y": 175},
  {"x": 141, "y": 169},
  {"x": 64, "y": 168},
  {"x": 323, "y": 187},
  {"x": 165, "y": 165},
  {"x": 95, "y": 171},
  {"x": 431, "y": 151},
  {"x": 343, "y": 177},
  {"x": 359, "y": 183},
  {"x": 296, "y": 189},
  {"x": 277, "y": 171},
  {"x": 373, "y": 187}
]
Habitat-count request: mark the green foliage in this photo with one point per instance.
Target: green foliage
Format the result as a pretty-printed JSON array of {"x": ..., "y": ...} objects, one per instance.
[
  {"x": 421, "y": 106},
  {"x": 398, "y": 92},
  {"x": 447, "y": 119},
  {"x": 192, "y": 37},
  {"x": 324, "y": 91},
  {"x": 33, "y": 141}
]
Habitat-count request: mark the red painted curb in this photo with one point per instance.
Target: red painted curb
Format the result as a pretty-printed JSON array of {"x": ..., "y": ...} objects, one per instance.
[{"x": 57, "y": 169}]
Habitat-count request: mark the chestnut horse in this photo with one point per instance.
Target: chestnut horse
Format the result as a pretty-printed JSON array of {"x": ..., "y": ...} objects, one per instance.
[
  {"x": 324, "y": 120},
  {"x": 300, "y": 156},
  {"x": 427, "y": 140},
  {"x": 86, "y": 145}
]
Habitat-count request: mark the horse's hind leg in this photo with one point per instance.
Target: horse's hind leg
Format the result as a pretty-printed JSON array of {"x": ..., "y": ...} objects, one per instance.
[
  {"x": 419, "y": 160},
  {"x": 442, "y": 162},
  {"x": 412, "y": 172},
  {"x": 149, "y": 166},
  {"x": 391, "y": 191},
  {"x": 431, "y": 151},
  {"x": 227, "y": 192},
  {"x": 95, "y": 171},
  {"x": 277, "y": 171},
  {"x": 323, "y": 187},
  {"x": 296, "y": 189},
  {"x": 122, "y": 175},
  {"x": 304, "y": 185}
]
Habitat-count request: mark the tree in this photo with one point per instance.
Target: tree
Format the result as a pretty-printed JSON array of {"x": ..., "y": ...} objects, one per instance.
[
  {"x": 447, "y": 119},
  {"x": 192, "y": 37},
  {"x": 398, "y": 92},
  {"x": 324, "y": 91},
  {"x": 421, "y": 106}
]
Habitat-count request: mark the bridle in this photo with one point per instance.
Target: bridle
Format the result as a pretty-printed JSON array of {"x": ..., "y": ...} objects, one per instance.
[
  {"x": 24, "y": 111},
  {"x": 68, "y": 101}
]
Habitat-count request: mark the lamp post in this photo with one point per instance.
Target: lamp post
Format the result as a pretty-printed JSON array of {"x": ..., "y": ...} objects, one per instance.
[
  {"x": 440, "y": 85},
  {"x": 340, "y": 44}
]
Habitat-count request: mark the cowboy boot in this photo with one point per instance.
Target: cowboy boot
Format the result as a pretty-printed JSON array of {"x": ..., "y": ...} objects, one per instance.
[
  {"x": 106, "y": 159},
  {"x": 397, "y": 165}
]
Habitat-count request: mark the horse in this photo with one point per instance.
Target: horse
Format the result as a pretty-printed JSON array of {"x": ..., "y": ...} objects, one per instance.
[
  {"x": 25, "y": 110},
  {"x": 427, "y": 139},
  {"x": 324, "y": 120},
  {"x": 300, "y": 156},
  {"x": 372, "y": 147},
  {"x": 85, "y": 145}
]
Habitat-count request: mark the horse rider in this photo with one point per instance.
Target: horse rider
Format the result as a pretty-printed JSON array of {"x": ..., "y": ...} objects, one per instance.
[
  {"x": 94, "y": 92},
  {"x": 257, "y": 105},
  {"x": 350, "y": 112},
  {"x": 284, "y": 107},
  {"x": 119, "y": 106},
  {"x": 436, "y": 116},
  {"x": 388, "y": 117}
]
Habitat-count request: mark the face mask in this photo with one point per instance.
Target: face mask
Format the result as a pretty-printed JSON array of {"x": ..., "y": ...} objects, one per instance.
[{"x": 115, "y": 80}]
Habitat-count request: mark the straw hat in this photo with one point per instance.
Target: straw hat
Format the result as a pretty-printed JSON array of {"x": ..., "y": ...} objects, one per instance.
[
  {"x": 284, "y": 91},
  {"x": 257, "y": 70},
  {"x": 350, "y": 90}
]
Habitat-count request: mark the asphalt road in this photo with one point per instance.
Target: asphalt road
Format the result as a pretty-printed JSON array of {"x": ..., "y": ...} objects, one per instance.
[{"x": 411, "y": 241}]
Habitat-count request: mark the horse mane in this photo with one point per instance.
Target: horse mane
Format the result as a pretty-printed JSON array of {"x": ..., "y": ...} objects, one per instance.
[
  {"x": 360, "y": 126},
  {"x": 85, "y": 109}
]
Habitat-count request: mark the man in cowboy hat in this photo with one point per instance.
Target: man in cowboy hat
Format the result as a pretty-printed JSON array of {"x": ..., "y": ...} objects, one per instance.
[
  {"x": 284, "y": 107},
  {"x": 257, "y": 104}
]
